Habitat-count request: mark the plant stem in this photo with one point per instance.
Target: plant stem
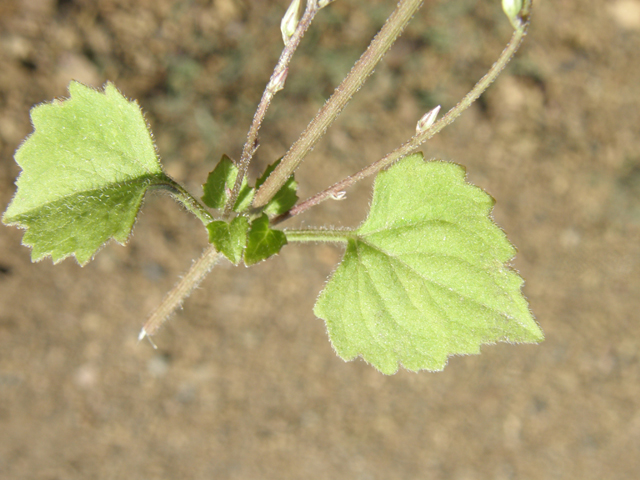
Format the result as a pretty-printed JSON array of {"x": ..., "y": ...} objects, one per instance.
[
  {"x": 182, "y": 290},
  {"x": 276, "y": 83},
  {"x": 363, "y": 68},
  {"x": 179, "y": 193},
  {"x": 414, "y": 142},
  {"x": 210, "y": 256},
  {"x": 318, "y": 235}
]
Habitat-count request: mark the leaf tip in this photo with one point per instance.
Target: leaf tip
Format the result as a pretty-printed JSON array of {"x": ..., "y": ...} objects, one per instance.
[{"x": 76, "y": 87}]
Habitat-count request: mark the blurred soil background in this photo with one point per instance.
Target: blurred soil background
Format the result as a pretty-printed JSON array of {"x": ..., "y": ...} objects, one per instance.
[{"x": 245, "y": 384}]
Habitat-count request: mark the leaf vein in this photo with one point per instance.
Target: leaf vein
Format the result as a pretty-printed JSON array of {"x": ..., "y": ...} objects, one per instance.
[{"x": 438, "y": 284}]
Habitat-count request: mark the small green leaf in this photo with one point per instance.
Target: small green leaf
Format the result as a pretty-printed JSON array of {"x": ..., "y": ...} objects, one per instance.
[
  {"x": 85, "y": 170},
  {"x": 262, "y": 241},
  {"x": 426, "y": 275},
  {"x": 286, "y": 196},
  {"x": 220, "y": 183},
  {"x": 229, "y": 238}
]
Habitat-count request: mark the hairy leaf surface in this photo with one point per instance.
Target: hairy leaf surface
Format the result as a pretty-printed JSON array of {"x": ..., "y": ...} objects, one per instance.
[
  {"x": 220, "y": 183},
  {"x": 85, "y": 170},
  {"x": 285, "y": 198},
  {"x": 229, "y": 238},
  {"x": 426, "y": 275},
  {"x": 262, "y": 241}
]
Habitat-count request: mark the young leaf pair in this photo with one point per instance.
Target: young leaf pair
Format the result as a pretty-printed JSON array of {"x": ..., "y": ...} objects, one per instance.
[{"x": 242, "y": 235}]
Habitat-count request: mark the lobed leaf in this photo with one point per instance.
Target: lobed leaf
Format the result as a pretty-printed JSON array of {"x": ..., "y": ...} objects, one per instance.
[
  {"x": 220, "y": 183},
  {"x": 229, "y": 238},
  {"x": 262, "y": 241},
  {"x": 285, "y": 198},
  {"x": 426, "y": 276},
  {"x": 85, "y": 170}
]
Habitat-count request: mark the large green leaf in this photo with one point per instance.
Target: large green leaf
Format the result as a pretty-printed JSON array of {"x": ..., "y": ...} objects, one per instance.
[
  {"x": 426, "y": 275},
  {"x": 85, "y": 170}
]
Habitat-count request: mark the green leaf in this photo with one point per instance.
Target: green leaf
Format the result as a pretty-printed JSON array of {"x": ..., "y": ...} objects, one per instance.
[
  {"x": 426, "y": 275},
  {"x": 229, "y": 238},
  {"x": 85, "y": 170},
  {"x": 262, "y": 241},
  {"x": 285, "y": 198},
  {"x": 220, "y": 183}
]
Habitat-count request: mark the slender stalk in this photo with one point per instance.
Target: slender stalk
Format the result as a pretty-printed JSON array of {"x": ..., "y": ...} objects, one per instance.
[
  {"x": 363, "y": 68},
  {"x": 318, "y": 235},
  {"x": 178, "y": 192},
  {"x": 276, "y": 83},
  {"x": 414, "y": 142},
  {"x": 180, "y": 292}
]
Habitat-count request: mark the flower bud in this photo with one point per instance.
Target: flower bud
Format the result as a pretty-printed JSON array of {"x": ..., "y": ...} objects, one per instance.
[
  {"x": 324, "y": 3},
  {"x": 427, "y": 120},
  {"x": 277, "y": 81},
  {"x": 290, "y": 20},
  {"x": 512, "y": 8}
]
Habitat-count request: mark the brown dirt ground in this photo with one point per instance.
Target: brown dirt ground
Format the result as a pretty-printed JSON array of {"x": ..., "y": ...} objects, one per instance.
[{"x": 245, "y": 384}]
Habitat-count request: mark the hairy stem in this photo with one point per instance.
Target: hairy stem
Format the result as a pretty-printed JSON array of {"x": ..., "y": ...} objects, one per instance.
[
  {"x": 363, "y": 68},
  {"x": 210, "y": 256},
  {"x": 180, "y": 292},
  {"x": 276, "y": 83},
  {"x": 179, "y": 193},
  {"x": 318, "y": 235},
  {"x": 414, "y": 142}
]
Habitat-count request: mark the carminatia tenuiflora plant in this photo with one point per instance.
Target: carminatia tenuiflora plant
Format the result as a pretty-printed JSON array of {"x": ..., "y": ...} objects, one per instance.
[{"x": 424, "y": 277}]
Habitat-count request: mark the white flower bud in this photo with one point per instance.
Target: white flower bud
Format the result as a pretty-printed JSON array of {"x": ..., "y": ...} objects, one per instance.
[
  {"x": 324, "y": 3},
  {"x": 290, "y": 20},
  {"x": 512, "y": 8},
  {"x": 427, "y": 120}
]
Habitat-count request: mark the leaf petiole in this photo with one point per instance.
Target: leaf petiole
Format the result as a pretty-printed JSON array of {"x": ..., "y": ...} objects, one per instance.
[
  {"x": 179, "y": 193},
  {"x": 319, "y": 235}
]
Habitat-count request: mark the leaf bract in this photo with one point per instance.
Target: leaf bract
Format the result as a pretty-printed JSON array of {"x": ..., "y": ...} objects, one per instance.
[
  {"x": 285, "y": 198},
  {"x": 229, "y": 238},
  {"x": 262, "y": 241},
  {"x": 220, "y": 183},
  {"x": 426, "y": 275}
]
